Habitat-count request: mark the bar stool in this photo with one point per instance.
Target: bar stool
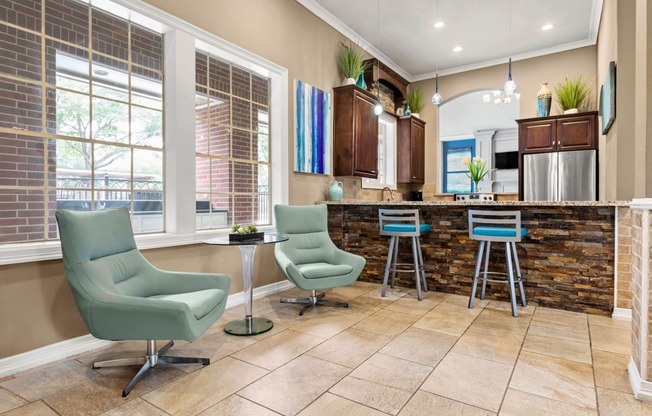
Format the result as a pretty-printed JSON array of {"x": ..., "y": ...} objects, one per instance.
[
  {"x": 399, "y": 223},
  {"x": 499, "y": 226}
]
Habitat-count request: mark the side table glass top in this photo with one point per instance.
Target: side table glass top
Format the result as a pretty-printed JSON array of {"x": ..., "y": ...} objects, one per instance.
[{"x": 249, "y": 325}]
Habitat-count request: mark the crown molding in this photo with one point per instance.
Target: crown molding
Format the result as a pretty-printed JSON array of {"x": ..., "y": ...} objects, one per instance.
[
  {"x": 330, "y": 19},
  {"x": 596, "y": 15}
]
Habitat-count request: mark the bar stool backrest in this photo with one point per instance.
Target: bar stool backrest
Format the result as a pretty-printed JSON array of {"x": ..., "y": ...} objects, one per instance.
[
  {"x": 402, "y": 217},
  {"x": 506, "y": 219}
]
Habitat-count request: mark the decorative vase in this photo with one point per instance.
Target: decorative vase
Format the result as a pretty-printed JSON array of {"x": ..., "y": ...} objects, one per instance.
[
  {"x": 335, "y": 190},
  {"x": 349, "y": 81},
  {"x": 571, "y": 111},
  {"x": 361, "y": 82},
  {"x": 406, "y": 109},
  {"x": 476, "y": 187},
  {"x": 544, "y": 98}
]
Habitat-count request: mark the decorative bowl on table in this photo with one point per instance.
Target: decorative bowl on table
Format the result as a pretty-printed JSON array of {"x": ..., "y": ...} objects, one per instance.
[{"x": 241, "y": 234}]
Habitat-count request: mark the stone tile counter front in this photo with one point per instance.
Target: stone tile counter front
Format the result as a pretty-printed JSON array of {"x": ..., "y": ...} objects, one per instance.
[{"x": 567, "y": 259}]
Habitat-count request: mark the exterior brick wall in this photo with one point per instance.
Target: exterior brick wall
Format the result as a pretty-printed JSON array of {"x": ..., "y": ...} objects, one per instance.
[
  {"x": 567, "y": 259},
  {"x": 637, "y": 276},
  {"x": 624, "y": 247}
]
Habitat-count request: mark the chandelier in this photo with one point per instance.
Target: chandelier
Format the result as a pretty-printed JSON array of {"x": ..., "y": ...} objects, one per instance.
[{"x": 500, "y": 97}]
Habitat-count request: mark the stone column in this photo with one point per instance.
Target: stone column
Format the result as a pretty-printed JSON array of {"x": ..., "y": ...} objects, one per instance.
[{"x": 640, "y": 365}]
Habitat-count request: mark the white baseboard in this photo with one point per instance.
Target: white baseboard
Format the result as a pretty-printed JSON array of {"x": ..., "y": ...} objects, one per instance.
[
  {"x": 85, "y": 343},
  {"x": 642, "y": 388},
  {"x": 622, "y": 314}
]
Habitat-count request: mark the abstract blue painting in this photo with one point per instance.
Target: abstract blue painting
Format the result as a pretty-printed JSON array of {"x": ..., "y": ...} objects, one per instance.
[{"x": 312, "y": 129}]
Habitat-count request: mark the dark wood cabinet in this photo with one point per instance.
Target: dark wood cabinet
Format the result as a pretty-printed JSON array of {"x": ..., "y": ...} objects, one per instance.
[
  {"x": 355, "y": 139},
  {"x": 411, "y": 150},
  {"x": 558, "y": 133}
]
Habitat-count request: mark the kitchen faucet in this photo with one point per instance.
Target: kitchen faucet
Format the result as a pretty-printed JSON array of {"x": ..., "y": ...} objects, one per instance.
[{"x": 382, "y": 194}]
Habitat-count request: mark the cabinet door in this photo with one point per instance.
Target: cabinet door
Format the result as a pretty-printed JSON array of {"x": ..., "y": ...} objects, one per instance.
[
  {"x": 576, "y": 133},
  {"x": 365, "y": 137},
  {"x": 537, "y": 136},
  {"x": 417, "y": 153}
]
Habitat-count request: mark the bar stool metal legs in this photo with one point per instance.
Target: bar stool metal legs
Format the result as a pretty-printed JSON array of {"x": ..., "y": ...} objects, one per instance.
[{"x": 392, "y": 266}]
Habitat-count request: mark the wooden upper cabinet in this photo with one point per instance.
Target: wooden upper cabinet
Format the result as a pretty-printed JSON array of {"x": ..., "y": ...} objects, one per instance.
[
  {"x": 411, "y": 139},
  {"x": 558, "y": 133},
  {"x": 576, "y": 133},
  {"x": 355, "y": 141}
]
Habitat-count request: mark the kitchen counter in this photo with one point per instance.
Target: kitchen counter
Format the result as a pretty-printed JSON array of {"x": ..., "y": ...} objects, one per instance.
[{"x": 568, "y": 257}]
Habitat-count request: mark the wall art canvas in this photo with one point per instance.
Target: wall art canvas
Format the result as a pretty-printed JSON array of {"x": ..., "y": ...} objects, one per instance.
[
  {"x": 312, "y": 126},
  {"x": 608, "y": 98}
]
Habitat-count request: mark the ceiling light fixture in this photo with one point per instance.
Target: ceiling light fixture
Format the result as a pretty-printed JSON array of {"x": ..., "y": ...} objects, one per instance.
[
  {"x": 378, "y": 108},
  {"x": 510, "y": 85},
  {"x": 436, "y": 98},
  {"x": 101, "y": 72},
  {"x": 439, "y": 24},
  {"x": 547, "y": 26},
  {"x": 458, "y": 49}
]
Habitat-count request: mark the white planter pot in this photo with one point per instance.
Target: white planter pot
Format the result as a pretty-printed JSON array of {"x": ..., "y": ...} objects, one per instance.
[
  {"x": 570, "y": 111},
  {"x": 416, "y": 115},
  {"x": 349, "y": 81}
]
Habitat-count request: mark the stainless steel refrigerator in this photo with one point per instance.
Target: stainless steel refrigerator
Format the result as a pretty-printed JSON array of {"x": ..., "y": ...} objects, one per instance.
[{"x": 560, "y": 176}]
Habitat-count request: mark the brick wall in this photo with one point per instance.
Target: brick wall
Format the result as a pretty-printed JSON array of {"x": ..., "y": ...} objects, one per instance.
[
  {"x": 624, "y": 247},
  {"x": 637, "y": 276}
]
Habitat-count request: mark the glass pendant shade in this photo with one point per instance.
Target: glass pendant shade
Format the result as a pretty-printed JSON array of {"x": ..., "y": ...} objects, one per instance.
[
  {"x": 510, "y": 85},
  {"x": 378, "y": 109},
  {"x": 436, "y": 99}
]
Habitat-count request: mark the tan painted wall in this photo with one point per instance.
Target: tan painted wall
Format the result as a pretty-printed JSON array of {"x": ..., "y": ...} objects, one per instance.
[{"x": 528, "y": 74}]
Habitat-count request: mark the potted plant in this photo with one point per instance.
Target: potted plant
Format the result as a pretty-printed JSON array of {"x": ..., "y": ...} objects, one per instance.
[
  {"x": 477, "y": 170},
  {"x": 241, "y": 233},
  {"x": 351, "y": 63},
  {"x": 571, "y": 93},
  {"x": 415, "y": 101}
]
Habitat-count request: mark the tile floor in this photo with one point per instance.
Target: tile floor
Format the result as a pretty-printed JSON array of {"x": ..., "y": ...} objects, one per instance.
[{"x": 380, "y": 356}]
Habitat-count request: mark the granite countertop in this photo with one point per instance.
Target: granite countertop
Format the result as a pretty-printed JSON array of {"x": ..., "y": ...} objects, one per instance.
[{"x": 492, "y": 203}]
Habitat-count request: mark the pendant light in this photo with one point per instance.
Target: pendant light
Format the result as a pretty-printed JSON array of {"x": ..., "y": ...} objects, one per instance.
[
  {"x": 510, "y": 85},
  {"x": 436, "y": 98},
  {"x": 378, "y": 109}
]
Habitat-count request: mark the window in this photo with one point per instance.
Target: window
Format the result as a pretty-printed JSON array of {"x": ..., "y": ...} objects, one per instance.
[
  {"x": 232, "y": 145},
  {"x": 454, "y": 171},
  {"x": 386, "y": 155},
  {"x": 81, "y": 117}
]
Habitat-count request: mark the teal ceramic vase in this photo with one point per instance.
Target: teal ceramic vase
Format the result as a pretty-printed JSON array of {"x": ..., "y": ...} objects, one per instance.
[
  {"x": 335, "y": 190},
  {"x": 361, "y": 82},
  {"x": 544, "y": 98}
]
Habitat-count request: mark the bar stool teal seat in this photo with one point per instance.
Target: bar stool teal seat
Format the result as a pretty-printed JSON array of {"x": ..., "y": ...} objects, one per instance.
[
  {"x": 497, "y": 226},
  {"x": 398, "y": 223}
]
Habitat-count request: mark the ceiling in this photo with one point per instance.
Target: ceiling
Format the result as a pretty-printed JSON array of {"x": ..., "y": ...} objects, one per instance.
[{"x": 410, "y": 44}]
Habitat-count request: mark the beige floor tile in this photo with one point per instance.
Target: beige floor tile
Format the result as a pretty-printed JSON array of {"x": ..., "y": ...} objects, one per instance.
[
  {"x": 611, "y": 371},
  {"x": 237, "y": 406},
  {"x": 104, "y": 393},
  {"x": 277, "y": 350},
  {"x": 560, "y": 318},
  {"x": 387, "y": 323},
  {"x": 609, "y": 322},
  {"x": 564, "y": 333},
  {"x": 386, "y": 399},
  {"x": 390, "y": 294},
  {"x": 348, "y": 292},
  {"x": 45, "y": 381},
  {"x": 568, "y": 350},
  {"x": 464, "y": 301},
  {"x": 370, "y": 285},
  {"x": 490, "y": 345},
  {"x": 455, "y": 309},
  {"x": 215, "y": 347},
  {"x": 364, "y": 305},
  {"x": 331, "y": 405},
  {"x": 446, "y": 324},
  {"x": 137, "y": 407},
  {"x": 202, "y": 389},
  {"x": 555, "y": 378},
  {"x": 295, "y": 385},
  {"x": 503, "y": 321},
  {"x": 519, "y": 403},
  {"x": 33, "y": 409},
  {"x": 327, "y": 324},
  {"x": 430, "y": 295},
  {"x": 410, "y": 305},
  {"x": 470, "y": 380},
  {"x": 611, "y": 339},
  {"x": 349, "y": 348},
  {"x": 615, "y": 403},
  {"x": 420, "y": 345},
  {"x": 10, "y": 401},
  {"x": 392, "y": 372},
  {"x": 424, "y": 403},
  {"x": 507, "y": 306}
]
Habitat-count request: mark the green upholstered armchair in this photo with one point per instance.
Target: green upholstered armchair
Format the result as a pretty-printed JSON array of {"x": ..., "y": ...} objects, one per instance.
[
  {"x": 121, "y": 296},
  {"x": 309, "y": 258}
]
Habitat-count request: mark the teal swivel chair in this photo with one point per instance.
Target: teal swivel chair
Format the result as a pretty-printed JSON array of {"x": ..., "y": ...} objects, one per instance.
[
  {"x": 121, "y": 296},
  {"x": 309, "y": 258}
]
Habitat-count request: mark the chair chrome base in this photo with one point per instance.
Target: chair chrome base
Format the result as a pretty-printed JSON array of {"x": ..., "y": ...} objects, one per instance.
[
  {"x": 153, "y": 358},
  {"x": 313, "y": 301}
]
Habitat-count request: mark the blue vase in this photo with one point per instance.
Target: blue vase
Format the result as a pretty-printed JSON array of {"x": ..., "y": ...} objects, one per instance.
[
  {"x": 543, "y": 106},
  {"x": 361, "y": 82}
]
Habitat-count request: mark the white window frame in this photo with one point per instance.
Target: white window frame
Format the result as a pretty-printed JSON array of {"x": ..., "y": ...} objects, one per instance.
[
  {"x": 180, "y": 41},
  {"x": 390, "y": 124}
]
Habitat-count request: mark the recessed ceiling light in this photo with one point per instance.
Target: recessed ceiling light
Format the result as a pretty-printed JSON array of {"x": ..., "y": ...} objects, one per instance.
[
  {"x": 439, "y": 24},
  {"x": 457, "y": 49},
  {"x": 547, "y": 26},
  {"x": 101, "y": 72}
]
